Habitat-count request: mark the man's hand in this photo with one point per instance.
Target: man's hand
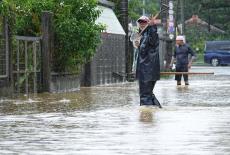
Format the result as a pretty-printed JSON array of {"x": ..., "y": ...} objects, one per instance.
[
  {"x": 171, "y": 63},
  {"x": 152, "y": 22},
  {"x": 137, "y": 43},
  {"x": 153, "y": 19},
  {"x": 190, "y": 62}
]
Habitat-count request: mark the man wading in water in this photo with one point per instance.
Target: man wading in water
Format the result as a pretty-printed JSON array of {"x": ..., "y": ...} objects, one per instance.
[
  {"x": 148, "y": 64},
  {"x": 181, "y": 54}
]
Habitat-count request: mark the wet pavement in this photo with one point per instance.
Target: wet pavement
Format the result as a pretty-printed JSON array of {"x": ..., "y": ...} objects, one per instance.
[{"x": 107, "y": 120}]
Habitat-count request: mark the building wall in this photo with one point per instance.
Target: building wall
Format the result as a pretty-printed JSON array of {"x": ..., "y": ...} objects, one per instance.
[{"x": 108, "y": 62}]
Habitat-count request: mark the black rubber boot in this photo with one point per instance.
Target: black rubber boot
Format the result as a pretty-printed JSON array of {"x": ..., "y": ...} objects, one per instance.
[
  {"x": 186, "y": 83},
  {"x": 178, "y": 83}
]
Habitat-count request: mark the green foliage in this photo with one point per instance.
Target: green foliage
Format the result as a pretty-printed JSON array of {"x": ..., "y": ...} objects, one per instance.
[
  {"x": 76, "y": 34},
  {"x": 197, "y": 37},
  {"x": 136, "y": 6},
  {"x": 28, "y": 16},
  {"x": 25, "y": 15}
]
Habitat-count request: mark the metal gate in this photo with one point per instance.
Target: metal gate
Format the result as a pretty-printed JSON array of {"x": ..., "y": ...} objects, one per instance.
[{"x": 27, "y": 66}]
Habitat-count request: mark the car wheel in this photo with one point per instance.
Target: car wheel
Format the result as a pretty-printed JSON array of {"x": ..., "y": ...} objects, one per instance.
[{"x": 214, "y": 62}]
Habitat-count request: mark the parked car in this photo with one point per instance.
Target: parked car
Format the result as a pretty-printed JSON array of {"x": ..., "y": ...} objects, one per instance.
[{"x": 217, "y": 53}]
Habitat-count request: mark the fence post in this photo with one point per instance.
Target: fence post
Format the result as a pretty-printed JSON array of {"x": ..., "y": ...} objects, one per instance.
[
  {"x": 47, "y": 47},
  {"x": 6, "y": 38},
  {"x": 6, "y": 80}
]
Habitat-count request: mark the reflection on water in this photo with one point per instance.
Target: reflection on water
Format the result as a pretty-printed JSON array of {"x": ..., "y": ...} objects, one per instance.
[
  {"x": 146, "y": 116},
  {"x": 107, "y": 120}
]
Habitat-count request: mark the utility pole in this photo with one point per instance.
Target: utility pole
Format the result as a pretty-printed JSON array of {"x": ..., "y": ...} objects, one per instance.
[
  {"x": 209, "y": 20},
  {"x": 167, "y": 35},
  {"x": 143, "y": 9},
  {"x": 182, "y": 17},
  {"x": 124, "y": 23},
  {"x": 163, "y": 36}
]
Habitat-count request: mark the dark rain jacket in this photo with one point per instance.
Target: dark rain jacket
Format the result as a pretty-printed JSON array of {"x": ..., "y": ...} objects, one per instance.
[
  {"x": 148, "y": 63},
  {"x": 181, "y": 54}
]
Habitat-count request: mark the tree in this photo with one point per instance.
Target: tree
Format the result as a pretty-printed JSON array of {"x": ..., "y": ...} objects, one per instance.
[{"x": 136, "y": 7}]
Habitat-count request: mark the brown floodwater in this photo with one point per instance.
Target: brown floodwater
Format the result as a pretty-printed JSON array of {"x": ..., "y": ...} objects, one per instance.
[{"x": 107, "y": 120}]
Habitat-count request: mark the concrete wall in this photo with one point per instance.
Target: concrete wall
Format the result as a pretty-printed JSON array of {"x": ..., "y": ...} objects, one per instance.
[{"x": 64, "y": 83}]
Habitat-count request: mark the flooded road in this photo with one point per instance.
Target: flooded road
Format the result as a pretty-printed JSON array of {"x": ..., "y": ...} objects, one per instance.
[{"x": 107, "y": 120}]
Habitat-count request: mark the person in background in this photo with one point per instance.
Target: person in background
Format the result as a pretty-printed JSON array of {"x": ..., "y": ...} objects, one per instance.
[
  {"x": 181, "y": 55},
  {"x": 148, "y": 63}
]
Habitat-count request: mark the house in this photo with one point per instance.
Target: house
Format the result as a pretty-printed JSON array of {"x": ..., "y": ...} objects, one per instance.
[
  {"x": 196, "y": 21},
  {"x": 110, "y": 55}
]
